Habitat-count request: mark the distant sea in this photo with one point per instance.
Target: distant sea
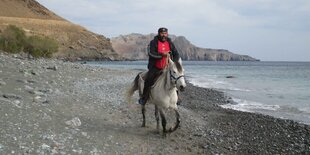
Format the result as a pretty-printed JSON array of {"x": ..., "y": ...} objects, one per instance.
[{"x": 279, "y": 89}]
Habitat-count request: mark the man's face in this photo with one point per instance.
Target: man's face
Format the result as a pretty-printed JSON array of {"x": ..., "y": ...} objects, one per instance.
[{"x": 163, "y": 36}]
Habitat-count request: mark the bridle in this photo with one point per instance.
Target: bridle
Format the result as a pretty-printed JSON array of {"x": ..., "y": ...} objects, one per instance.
[
  {"x": 171, "y": 76},
  {"x": 175, "y": 78}
]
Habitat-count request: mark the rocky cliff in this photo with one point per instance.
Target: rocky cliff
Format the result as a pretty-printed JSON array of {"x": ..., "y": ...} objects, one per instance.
[
  {"x": 133, "y": 46},
  {"x": 75, "y": 42}
]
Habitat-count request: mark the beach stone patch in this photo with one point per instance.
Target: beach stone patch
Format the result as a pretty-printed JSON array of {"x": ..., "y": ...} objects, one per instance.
[
  {"x": 230, "y": 76},
  {"x": 26, "y": 72},
  {"x": 22, "y": 81},
  {"x": 40, "y": 99},
  {"x": 2, "y": 83},
  {"x": 38, "y": 93},
  {"x": 85, "y": 134},
  {"x": 29, "y": 89},
  {"x": 46, "y": 117},
  {"x": 54, "y": 68},
  {"x": 4, "y": 100},
  {"x": 31, "y": 81},
  {"x": 34, "y": 72},
  {"x": 12, "y": 96},
  {"x": 44, "y": 149},
  {"x": 95, "y": 151},
  {"x": 95, "y": 96},
  {"x": 75, "y": 122},
  {"x": 17, "y": 103}
]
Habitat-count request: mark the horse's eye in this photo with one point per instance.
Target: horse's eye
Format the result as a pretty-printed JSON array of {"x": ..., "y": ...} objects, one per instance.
[{"x": 174, "y": 72}]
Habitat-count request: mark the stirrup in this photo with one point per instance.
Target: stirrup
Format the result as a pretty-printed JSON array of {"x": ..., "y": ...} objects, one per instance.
[{"x": 141, "y": 101}]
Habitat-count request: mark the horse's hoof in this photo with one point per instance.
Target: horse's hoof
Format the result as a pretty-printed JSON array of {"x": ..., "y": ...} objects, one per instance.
[{"x": 143, "y": 126}]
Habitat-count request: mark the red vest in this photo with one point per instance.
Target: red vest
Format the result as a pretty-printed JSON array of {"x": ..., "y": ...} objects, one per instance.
[{"x": 163, "y": 47}]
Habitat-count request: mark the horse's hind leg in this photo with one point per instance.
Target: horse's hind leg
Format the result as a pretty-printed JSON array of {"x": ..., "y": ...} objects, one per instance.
[
  {"x": 177, "y": 124},
  {"x": 157, "y": 118},
  {"x": 163, "y": 121},
  {"x": 143, "y": 114}
]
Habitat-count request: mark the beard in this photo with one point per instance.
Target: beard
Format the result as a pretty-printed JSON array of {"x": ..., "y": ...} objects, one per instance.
[{"x": 162, "y": 38}]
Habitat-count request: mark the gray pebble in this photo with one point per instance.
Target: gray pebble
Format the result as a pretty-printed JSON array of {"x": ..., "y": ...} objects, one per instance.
[
  {"x": 2, "y": 83},
  {"x": 34, "y": 73},
  {"x": 54, "y": 68},
  {"x": 45, "y": 147},
  {"x": 39, "y": 93},
  {"x": 31, "y": 81},
  {"x": 12, "y": 96},
  {"x": 17, "y": 102},
  {"x": 54, "y": 151},
  {"x": 28, "y": 88},
  {"x": 22, "y": 81},
  {"x": 40, "y": 99},
  {"x": 75, "y": 122}
]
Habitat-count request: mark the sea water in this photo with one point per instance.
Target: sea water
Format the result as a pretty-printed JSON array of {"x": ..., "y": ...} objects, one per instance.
[{"x": 279, "y": 89}]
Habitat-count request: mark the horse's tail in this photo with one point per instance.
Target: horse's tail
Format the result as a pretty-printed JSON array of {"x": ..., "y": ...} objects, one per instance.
[{"x": 133, "y": 88}]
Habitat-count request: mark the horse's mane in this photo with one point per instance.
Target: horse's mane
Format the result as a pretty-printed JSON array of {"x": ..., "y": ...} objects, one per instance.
[
  {"x": 163, "y": 75},
  {"x": 179, "y": 66}
]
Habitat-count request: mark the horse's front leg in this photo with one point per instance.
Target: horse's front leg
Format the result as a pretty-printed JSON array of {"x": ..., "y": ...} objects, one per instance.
[
  {"x": 177, "y": 124},
  {"x": 157, "y": 118},
  {"x": 163, "y": 121},
  {"x": 143, "y": 115}
]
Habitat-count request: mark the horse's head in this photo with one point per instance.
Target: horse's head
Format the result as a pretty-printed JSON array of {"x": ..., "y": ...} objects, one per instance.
[{"x": 177, "y": 74}]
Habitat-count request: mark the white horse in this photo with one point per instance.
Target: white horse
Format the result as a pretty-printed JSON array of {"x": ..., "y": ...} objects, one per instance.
[{"x": 163, "y": 93}]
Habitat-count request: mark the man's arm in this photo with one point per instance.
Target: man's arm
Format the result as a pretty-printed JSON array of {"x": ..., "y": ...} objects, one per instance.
[{"x": 152, "y": 51}]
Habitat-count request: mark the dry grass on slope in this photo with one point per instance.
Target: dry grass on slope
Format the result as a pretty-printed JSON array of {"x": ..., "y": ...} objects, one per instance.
[
  {"x": 26, "y": 9},
  {"x": 73, "y": 39}
]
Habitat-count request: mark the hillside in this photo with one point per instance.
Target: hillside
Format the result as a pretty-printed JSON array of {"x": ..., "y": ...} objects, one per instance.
[
  {"x": 133, "y": 46},
  {"x": 75, "y": 42}
]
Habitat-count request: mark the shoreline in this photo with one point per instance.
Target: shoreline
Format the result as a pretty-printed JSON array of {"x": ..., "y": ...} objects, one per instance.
[
  {"x": 231, "y": 103},
  {"x": 259, "y": 104},
  {"x": 55, "y": 107}
]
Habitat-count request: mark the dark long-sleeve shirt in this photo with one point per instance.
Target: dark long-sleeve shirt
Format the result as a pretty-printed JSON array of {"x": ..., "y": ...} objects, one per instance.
[{"x": 153, "y": 52}]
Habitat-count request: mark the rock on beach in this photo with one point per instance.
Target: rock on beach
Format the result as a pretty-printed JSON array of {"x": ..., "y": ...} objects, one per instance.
[{"x": 75, "y": 122}]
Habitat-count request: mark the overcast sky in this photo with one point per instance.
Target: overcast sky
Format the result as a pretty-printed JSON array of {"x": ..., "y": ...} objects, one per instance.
[{"x": 270, "y": 30}]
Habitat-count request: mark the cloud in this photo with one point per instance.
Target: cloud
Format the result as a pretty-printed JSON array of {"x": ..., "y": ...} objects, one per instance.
[
  {"x": 162, "y": 11},
  {"x": 174, "y": 13},
  {"x": 244, "y": 26}
]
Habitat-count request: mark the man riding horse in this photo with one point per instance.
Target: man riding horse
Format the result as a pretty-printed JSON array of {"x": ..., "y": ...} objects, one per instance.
[{"x": 159, "y": 50}]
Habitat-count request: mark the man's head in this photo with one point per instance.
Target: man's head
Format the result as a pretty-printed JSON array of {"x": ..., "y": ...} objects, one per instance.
[{"x": 163, "y": 34}]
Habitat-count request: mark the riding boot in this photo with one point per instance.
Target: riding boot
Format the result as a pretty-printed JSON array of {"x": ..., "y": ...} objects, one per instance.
[{"x": 145, "y": 95}]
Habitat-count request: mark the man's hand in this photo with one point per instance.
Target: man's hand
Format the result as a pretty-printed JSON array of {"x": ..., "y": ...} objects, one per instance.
[{"x": 165, "y": 54}]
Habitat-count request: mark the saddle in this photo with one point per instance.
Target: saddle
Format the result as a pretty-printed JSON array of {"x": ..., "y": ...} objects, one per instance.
[{"x": 144, "y": 75}]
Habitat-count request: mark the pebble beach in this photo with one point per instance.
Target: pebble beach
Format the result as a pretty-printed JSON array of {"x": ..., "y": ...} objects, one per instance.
[{"x": 49, "y": 106}]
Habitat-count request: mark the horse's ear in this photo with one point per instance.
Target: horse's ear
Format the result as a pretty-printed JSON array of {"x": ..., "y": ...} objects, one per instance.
[
  {"x": 180, "y": 61},
  {"x": 170, "y": 61}
]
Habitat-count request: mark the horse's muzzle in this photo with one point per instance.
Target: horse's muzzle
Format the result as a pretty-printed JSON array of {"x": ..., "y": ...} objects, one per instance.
[{"x": 182, "y": 88}]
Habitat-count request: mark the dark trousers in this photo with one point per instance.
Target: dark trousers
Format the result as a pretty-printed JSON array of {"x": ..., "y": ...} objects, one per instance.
[{"x": 151, "y": 77}]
